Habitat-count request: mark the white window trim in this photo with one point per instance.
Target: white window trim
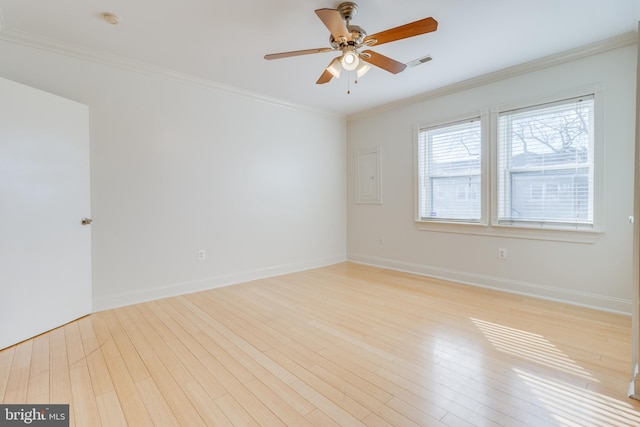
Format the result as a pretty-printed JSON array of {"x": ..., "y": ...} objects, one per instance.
[
  {"x": 440, "y": 224},
  {"x": 598, "y": 207},
  {"x": 489, "y": 225}
]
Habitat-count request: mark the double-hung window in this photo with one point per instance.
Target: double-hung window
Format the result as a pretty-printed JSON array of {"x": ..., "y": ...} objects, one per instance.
[
  {"x": 530, "y": 167},
  {"x": 545, "y": 164},
  {"x": 449, "y": 169}
]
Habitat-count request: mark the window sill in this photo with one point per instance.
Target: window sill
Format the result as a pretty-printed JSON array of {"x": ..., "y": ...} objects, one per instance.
[{"x": 556, "y": 234}]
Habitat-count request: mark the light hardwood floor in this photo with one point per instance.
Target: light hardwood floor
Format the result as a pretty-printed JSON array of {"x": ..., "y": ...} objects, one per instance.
[{"x": 345, "y": 345}]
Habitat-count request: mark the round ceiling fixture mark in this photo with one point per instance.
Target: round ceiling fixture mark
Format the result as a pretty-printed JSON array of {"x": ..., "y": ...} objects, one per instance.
[{"x": 111, "y": 18}]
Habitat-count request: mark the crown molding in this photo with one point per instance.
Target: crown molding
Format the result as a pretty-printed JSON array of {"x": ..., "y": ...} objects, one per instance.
[
  {"x": 77, "y": 52},
  {"x": 89, "y": 55},
  {"x": 602, "y": 46}
]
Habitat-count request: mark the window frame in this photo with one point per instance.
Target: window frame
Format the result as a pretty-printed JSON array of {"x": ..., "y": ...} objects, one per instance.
[
  {"x": 507, "y": 172},
  {"x": 490, "y": 224},
  {"x": 482, "y": 220},
  {"x": 450, "y": 225}
]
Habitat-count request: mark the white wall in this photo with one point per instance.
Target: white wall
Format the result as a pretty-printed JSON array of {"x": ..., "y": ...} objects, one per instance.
[
  {"x": 596, "y": 274},
  {"x": 178, "y": 167}
]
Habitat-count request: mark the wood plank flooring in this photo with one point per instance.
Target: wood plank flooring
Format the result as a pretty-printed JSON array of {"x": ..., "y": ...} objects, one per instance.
[{"x": 345, "y": 345}]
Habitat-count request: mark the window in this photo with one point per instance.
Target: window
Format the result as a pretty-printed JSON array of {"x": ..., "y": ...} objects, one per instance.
[
  {"x": 449, "y": 169},
  {"x": 545, "y": 164},
  {"x": 532, "y": 171}
]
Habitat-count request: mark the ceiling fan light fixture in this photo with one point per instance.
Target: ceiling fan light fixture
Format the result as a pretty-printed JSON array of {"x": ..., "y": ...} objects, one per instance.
[
  {"x": 334, "y": 68},
  {"x": 349, "y": 60},
  {"x": 362, "y": 69}
]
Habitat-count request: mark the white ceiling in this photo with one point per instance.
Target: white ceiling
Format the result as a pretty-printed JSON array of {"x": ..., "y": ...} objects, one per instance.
[{"x": 225, "y": 42}]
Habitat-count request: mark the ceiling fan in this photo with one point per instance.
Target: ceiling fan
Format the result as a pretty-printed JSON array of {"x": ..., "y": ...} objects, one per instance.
[{"x": 349, "y": 39}]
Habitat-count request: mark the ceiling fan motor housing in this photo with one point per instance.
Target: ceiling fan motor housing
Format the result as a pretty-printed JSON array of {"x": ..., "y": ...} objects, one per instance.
[
  {"x": 357, "y": 37},
  {"x": 348, "y": 10}
]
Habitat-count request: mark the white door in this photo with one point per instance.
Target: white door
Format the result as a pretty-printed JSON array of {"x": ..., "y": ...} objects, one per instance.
[{"x": 45, "y": 251}]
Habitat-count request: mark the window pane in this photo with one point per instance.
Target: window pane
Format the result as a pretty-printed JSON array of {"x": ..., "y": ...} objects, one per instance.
[
  {"x": 545, "y": 163},
  {"x": 456, "y": 198},
  {"x": 449, "y": 172},
  {"x": 557, "y": 196}
]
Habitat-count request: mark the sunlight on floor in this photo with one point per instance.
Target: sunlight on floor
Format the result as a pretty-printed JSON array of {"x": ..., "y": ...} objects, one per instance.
[
  {"x": 589, "y": 408},
  {"x": 568, "y": 404},
  {"x": 532, "y": 347}
]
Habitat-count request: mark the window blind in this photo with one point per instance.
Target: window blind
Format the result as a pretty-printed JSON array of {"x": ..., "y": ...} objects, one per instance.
[
  {"x": 449, "y": 172},
  {"x": 545, "y": 164}
]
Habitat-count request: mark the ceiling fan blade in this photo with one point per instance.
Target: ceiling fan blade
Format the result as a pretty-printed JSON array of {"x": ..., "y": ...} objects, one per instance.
[
  {"x": 384, "y": 62},
  {"x": 417, "y": 28},
  {"x": 330, "y": 72},
  {"x": 325, "y": 78},
  {"x": 332, "y": 19},
  {"x": 297, "y": 53}
]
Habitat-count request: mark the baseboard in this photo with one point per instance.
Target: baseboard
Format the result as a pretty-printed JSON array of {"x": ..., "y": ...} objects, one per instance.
[
  {"x": 124, "y": 299},
  {"x": 584, "y": 299}
]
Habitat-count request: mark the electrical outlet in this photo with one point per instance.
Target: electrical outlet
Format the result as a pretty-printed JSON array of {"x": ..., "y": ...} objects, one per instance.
[
  {"x": 381, "y": 240},
  {"x": 202, "y": 254},
  {"x": 502, "y": 253}
]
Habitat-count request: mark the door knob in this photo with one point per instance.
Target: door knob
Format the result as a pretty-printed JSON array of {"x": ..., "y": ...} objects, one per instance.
[{"x": 86, "y": 221}]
